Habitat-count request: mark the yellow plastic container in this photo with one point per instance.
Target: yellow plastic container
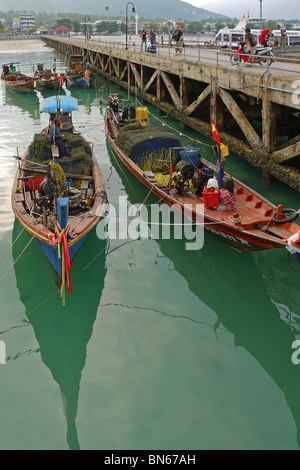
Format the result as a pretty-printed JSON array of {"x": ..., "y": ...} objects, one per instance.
[
  {"x": 224, "y": 150},
  {"x": 142, "y": 115}
]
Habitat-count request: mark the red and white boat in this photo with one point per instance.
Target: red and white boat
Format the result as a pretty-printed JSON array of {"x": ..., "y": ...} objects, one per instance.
[{"x": 252, "y": 223}]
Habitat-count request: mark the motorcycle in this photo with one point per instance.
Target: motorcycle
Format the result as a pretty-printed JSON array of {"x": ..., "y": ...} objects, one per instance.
[{"x": 263, "y": 55}]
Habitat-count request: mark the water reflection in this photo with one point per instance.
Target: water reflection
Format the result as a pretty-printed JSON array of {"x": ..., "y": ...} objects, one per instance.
[
  {"x": 84, "y": 96},
  {"x": 254, "y": 296},
  {"x": 63, "y": 333},
  {"x": 28, "y": 103}
]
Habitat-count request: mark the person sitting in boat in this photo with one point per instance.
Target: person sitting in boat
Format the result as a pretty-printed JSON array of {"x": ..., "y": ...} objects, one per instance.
[{"x": 56, "y": 138}]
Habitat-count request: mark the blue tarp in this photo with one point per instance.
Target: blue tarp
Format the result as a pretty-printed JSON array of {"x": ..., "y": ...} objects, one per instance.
[
  {"x": 11, "y": 63},
  {"x": 64, "y": 104}
]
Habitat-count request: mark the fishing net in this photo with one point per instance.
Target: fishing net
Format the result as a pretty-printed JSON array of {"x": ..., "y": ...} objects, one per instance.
[
  {"x": 146, "y": 145},
  {"x": 79, "y": 152},
  {"x": 58, "y": 175},
  {"x": 40, "y": 149}
]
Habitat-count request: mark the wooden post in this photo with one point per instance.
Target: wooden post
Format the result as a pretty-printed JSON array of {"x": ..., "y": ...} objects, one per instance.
[
  {"x": 213, "y": 102},
  {"x": 184, "y": 91},
  {"x": 158, "y": 86},
  {"x": 142, "y": 76},
  {"x": 269, "y": 122}
]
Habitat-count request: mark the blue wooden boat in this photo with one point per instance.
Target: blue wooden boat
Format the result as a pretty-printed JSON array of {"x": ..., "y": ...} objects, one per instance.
[
  {"x": 79, "y": 73},
  {"x": 59, "y": 201}
]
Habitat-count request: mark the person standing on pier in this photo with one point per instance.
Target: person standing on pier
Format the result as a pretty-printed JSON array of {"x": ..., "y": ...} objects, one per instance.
[
  {"x": 269, "y": 38},
  {"x": 282, "y": 36},
  {"x": 177, "y": 36},
  {"x": 144, "y": 35},
  {"x": 152, "y": 36}
]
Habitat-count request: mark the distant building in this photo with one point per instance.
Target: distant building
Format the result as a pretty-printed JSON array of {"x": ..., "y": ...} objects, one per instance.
[
  {"x": 27, "y": 22},
  {"x": 61, "y": 31},
  {"x": 256, "y": 21}
]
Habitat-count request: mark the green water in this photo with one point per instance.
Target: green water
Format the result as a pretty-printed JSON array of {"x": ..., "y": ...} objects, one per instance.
[{"x": 157, "y": 347}]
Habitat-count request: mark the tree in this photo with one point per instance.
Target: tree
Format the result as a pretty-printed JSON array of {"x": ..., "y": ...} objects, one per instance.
[
  {"x": 272, "y": 24},
  {"x": 76, "y": 26},
  {"x": 219, "y": 25},
  {"x": 64, "y": 22},
  {"x": 195, "y": 27}
]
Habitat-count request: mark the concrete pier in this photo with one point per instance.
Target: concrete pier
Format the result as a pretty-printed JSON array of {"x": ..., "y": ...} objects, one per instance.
[{"x": 256, "y": 109}]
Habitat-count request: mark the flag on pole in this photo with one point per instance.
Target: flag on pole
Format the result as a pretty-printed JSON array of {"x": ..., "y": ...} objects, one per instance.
[
  {"x": 220, "y": 171},
  {"x": 215, "y": 133}
]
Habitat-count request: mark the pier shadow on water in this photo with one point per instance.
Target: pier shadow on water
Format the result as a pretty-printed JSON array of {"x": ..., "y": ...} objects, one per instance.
[
  {"x": 255, "y": 296},
  {"x": 62, "y": 333}
]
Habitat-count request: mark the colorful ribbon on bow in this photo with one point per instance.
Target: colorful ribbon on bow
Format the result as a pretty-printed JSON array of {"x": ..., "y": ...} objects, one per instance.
[
  {"x": 293, "y": 244},
  {"x": 63, "y": 252}
]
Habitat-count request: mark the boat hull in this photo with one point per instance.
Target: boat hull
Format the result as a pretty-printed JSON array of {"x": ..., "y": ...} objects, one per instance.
[
  {"x": 20, "y": 86},
  {"x": 47, "y": 84},
  {"x": 53, "y": 256},
  {"x": 80, "y": 80}
]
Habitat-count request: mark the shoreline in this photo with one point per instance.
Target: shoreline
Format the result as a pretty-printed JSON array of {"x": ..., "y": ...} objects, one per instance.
[{"x": 12, "y": 45}]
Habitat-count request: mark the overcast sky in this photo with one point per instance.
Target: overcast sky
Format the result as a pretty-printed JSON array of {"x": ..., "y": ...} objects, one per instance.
[{"x": 271, "y": 9}]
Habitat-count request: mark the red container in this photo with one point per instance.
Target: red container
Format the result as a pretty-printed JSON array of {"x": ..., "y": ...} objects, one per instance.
[
  {"x": 38, "y": 181},
  {"x": 211, "y": 197}
]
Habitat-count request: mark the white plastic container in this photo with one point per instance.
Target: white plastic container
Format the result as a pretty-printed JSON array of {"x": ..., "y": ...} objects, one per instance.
[{"x": 213, "y": 183}]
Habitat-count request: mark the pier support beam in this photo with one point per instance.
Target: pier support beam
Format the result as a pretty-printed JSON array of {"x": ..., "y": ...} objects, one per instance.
[
  {"x": 241, "y": 120},
  {"x": 269, "y": 123},
  {"x": 198, "y": 101}
]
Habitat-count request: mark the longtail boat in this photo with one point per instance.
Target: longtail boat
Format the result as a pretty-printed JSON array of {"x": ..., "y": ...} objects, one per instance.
[
  {"x": 59, "y": 200},
  {"x": 46, "y": 79},
  {"x": 79, "y": 73},
  {"x": 14, "y": 80},
  {"x": 231, "y": 211}
]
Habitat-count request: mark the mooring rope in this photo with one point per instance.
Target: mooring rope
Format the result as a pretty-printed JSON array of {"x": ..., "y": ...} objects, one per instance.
[
  {"x": 22, "y": 252},
  {"x": 9, "y": 248}
]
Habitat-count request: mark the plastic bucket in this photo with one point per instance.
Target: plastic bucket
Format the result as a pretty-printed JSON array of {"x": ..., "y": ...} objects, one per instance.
[
  {"x": 191, "y": 155},
  {"x": 211, "y": 197},
  {"x": 37, "y": 182}
]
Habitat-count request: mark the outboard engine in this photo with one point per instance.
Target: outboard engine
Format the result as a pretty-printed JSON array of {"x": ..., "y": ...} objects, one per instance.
[
  {"x": 186, "y": 173},
  {"x": 114, "y": 102}
]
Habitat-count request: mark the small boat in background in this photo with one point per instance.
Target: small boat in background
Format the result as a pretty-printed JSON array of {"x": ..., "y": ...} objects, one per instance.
[
  {"x": 15, "y": 80},
  {"x": 58, "y": 201},
  {"x": 46, "y": 79},
  {"x": 179, "y": 176},
  {"x": 79, "y": 73}
]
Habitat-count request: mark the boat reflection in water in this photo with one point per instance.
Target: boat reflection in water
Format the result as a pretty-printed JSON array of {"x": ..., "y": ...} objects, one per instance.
[
  {"x": 27, "y": 102},
  {"x": 84, "y": 96},
  {"x": 63, "y": 333},
  {"x": 233, "y": 286}
]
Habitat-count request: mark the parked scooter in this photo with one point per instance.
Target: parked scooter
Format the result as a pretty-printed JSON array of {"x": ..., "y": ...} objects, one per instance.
[{"x": 263, "y": 56}]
